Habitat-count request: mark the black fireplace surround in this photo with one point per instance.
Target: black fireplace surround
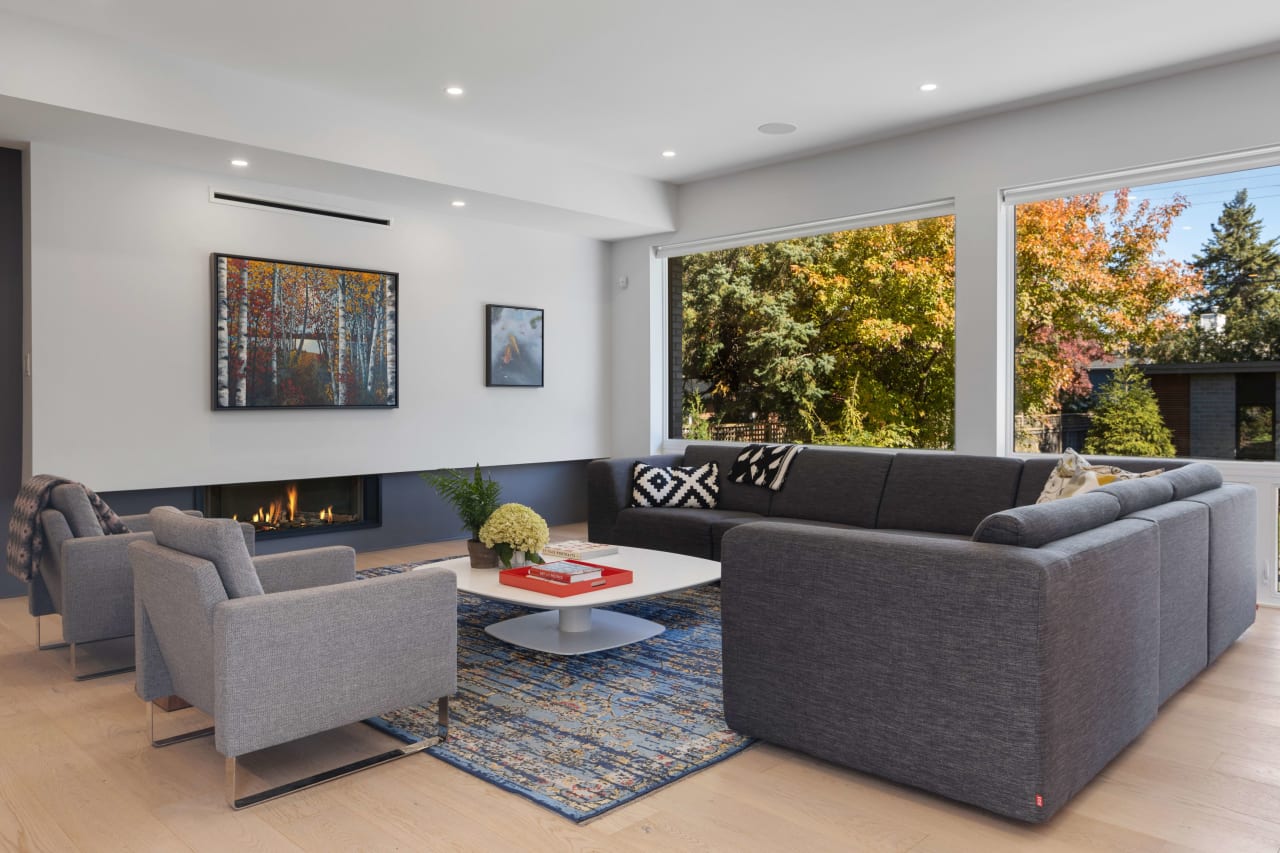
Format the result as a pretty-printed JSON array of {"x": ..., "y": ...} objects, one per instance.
[{"x": 298, "y": 507}]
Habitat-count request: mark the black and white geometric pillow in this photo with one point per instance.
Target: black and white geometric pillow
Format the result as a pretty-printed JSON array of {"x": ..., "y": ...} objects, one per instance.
[
  {"x": 679, "y": 487},
  {"x": 764, "y": 464}
]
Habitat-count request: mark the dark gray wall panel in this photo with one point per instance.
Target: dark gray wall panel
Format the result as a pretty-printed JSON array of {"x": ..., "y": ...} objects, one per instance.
[
  {"x": 412, "y": 513},
  {"x": 10, "y": 345}
]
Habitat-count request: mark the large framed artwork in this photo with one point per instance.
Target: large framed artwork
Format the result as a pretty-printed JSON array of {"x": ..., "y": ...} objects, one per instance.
[
  {"x": 290, "y": 335},
  {"x": 513, "y": 349}
]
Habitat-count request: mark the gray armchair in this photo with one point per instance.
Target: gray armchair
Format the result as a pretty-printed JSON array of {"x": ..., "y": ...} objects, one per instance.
[
  {"x": 84, "y": 575},
  {"x": 277, "y": 648}
]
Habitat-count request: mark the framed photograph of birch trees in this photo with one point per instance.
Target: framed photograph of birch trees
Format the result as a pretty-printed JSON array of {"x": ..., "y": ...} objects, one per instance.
[{"x": 294, "y": 336}]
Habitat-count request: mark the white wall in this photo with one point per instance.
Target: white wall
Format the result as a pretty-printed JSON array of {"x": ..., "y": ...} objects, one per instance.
[
  {"x": 1206, "y": 112},
  {"x": 121, "y": 334}
]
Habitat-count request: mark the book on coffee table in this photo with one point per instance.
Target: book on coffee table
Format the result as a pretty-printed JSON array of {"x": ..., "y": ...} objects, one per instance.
[
  {"x": 565, "y": 571},
  {"x": 577, "y": 549}
]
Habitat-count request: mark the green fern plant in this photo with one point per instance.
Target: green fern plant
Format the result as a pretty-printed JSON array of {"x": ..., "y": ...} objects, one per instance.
[{"x": 473, "y": 497}]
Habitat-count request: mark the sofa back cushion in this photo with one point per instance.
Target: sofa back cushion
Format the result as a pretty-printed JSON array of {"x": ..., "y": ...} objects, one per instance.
[
  {"x": 741, "y": 496},
  {"x": 1192, "y": 480},
  {"x": 946, "y": 493},
  {"x": 834, "y": 485},
  {"x": 70, "y": 500},
  {"x": 218, "y": 540},
  {"x": 1040, "y": 524},
  {"x": 1140, "y": 493}
]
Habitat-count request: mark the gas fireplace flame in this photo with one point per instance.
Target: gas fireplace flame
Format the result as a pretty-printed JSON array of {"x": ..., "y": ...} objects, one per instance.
[{"x": 292, "y": 492}]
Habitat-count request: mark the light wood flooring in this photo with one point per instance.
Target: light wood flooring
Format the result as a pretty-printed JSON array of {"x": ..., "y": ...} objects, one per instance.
[{"x": 76, "y": 773}]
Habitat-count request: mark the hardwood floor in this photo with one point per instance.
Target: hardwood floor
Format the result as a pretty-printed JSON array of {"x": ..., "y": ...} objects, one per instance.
[{"x": 76, "y": 773}]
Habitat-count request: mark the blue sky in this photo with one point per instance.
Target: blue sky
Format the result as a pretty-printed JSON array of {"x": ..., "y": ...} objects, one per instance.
[{"x": 1207, "y": 195}]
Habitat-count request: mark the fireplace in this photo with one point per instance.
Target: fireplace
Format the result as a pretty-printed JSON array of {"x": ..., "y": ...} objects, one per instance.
[{"x": 298, "y": 507}]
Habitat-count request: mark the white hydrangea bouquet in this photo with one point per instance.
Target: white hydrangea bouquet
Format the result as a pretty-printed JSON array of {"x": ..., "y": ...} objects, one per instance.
[{"x": 515, "y": 527}]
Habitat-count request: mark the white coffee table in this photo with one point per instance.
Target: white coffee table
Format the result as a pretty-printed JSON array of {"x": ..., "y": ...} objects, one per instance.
[{"x": 575, "y": 625}]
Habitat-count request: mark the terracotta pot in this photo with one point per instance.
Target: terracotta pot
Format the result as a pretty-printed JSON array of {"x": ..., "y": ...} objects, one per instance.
[{"x": 482, "y": 556}]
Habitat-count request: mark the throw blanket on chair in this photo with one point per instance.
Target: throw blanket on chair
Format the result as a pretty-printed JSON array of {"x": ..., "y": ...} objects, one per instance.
[
  {"x": 764, "y": 464},
  {"x": 26, "y": 533}
]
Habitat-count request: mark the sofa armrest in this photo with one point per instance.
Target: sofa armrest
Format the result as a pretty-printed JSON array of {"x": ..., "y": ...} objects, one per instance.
[
  {"x": 991, "y": 674},
  {"x": 295, "y": 663},
  {"x": 97, "y": 587},
  {"x": 609, "y": 491},
  {"x": 306, "y": 569}
]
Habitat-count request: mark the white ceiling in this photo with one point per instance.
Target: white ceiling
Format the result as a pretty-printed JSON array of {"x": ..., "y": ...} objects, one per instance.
[{"x": 614, "y": 82}]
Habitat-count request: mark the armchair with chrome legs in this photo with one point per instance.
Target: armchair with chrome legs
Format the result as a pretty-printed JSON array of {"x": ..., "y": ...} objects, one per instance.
[
  {"x": 84, "y": 575},
  {"x": 281, "y": 647}
]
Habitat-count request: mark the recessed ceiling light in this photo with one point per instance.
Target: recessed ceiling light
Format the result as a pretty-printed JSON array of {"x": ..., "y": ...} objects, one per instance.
[
  {"x": 928, "y": 87},
  {"x": 668, "y": 153},
  {"x": 453, "y": 90},
  {"x": 776, "y": 128},
  {"x": 459, "y": 203},
  {"x": 240, "y": 163}
]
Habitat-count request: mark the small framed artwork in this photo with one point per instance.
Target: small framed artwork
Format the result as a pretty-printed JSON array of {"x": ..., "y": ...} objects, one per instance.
[{"x": 513, "y": 346}]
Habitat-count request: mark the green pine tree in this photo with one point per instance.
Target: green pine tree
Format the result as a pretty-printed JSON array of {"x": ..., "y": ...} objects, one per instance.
[
  {"x": 1127, "y": 420},
  {"x": 1240, "y": 268}
]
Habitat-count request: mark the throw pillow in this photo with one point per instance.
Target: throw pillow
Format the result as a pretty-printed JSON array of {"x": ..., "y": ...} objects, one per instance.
[
  {"x": 764, "y": 464},
  {"x": 676, "y": 487},
  {"x": 1075, "y": 475}
]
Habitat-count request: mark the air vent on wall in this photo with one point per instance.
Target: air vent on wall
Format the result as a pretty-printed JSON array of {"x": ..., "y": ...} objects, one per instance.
[{"x": 293, "y": 207}]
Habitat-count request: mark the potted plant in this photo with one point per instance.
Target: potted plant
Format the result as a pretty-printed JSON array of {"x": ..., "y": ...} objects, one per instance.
[{"x": 474, "y": 498}]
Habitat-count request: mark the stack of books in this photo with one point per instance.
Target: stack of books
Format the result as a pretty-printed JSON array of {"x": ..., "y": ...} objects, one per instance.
[
  {"x": 577, "y": 549},
  {"x": 566, "y": 572}
]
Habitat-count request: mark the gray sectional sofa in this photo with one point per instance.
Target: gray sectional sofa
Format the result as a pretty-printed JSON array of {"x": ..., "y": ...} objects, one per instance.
[{"x": 916, "y": 616}]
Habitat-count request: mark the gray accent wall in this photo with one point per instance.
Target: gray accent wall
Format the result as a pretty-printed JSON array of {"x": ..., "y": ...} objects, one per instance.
[
  {"x": 10, "y": 345},
  {"x": 412, "y": 513}
]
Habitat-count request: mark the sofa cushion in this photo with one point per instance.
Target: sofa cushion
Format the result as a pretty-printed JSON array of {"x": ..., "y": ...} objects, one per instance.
[
  {"x": 739, "y": 496},
  {"x": 676, "y": 486},
  {"x": 218, "y": 540},
  {"x": 1040, "y": 524},
  {"x": 835, "y": 485},
  {"x": 1074, "y": 475},
  {"x": 1036, "y": 471},
  {"x": 1192, "y": 480},
  {"x": 946, "y": 493},
  {"x": 70, "y": 500},
  {"x": 683, "y": 531},
  {"x": 1139, "y": 493}
]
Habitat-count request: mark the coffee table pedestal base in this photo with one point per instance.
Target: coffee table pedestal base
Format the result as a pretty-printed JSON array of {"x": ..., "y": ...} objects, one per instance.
[{"x": 574, "y": 630}]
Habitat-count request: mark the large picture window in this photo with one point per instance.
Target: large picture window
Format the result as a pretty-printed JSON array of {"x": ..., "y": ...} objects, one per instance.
[
  {"x": 1147, "y": 319},
  {"x": 840, "y": 338}
]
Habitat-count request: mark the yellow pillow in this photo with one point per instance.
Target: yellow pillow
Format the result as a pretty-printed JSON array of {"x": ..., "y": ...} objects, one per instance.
[{"x": 1074, "y": 475}]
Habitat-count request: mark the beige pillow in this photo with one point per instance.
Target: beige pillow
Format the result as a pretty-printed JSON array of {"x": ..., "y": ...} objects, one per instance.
[{"x": 1074, "y": 475}]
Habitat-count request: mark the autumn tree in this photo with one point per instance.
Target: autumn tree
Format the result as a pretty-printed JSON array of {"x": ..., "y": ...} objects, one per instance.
[{"x": 1092, "y": 279}]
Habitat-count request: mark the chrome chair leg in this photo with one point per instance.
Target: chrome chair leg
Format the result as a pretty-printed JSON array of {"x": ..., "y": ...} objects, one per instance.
[
  {"x": 43, "y": 647},
  {"x": 236, "y": 802},
  {"x": 102, "y": 673},
  {"x": 170, "y": 741}
]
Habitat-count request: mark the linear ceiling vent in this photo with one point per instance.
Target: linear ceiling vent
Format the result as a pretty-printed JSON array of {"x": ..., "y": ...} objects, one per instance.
[{"x": 292, "y": 207}]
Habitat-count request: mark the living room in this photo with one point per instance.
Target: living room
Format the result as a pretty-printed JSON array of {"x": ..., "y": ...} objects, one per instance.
[{"x": 125, "y": 138}]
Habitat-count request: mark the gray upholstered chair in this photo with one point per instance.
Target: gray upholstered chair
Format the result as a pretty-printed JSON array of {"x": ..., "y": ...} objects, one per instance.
[
  {"x": 279, "y": 647},
  {"x": 84, "y": 575}
]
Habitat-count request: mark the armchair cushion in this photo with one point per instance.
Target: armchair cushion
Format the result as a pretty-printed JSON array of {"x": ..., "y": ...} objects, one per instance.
[
  {"x": 306, "y": 569},
  {"x": 218, "y": 540},
  {"x": 70, "y": 500}
]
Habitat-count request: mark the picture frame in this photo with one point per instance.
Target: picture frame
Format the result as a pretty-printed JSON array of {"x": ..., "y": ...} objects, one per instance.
[
  {"x": 296, "y": 335},
  {"x": 514, "y": 338}
]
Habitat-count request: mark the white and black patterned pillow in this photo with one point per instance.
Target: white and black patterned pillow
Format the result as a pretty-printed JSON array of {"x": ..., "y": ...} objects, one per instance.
[
  {"x": 764, "y": 464},
  {"x": 678, "y": 487}
]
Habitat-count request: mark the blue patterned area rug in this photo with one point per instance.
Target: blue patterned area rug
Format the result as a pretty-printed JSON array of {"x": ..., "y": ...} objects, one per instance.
[{"x": 583, "y": 734}]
